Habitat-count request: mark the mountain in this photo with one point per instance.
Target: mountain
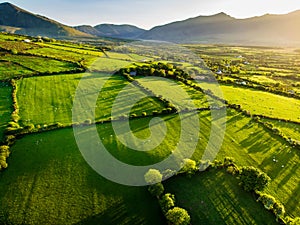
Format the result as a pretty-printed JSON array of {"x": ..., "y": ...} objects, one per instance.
[
  {"x": 16, "y": 20},
  {"x": 222, "y": 28},
  {"x": 112, "y": 30}
]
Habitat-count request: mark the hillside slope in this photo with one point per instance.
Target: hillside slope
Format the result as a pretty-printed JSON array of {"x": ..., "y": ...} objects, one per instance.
[
  {"x": 111, "y": 30},
  {"x": 24, "y": 22},
  {"x": 221, "y": 28}
]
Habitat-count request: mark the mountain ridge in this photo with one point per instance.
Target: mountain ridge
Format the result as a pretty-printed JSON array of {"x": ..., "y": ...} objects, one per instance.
[
  {"x": 28, "y": 23},
  {"x": 268, "y": 29},
  {"x": 125, "y": 31}
]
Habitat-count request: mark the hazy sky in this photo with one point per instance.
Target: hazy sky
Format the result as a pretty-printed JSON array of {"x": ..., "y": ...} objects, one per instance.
[{"x": 149, "y": 13}]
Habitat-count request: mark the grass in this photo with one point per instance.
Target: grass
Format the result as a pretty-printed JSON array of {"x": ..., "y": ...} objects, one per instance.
[
  {"x": 74, "y": 48},
  {"x": 53, "y": 153},
  {"x": 251, "y": 144},
  {"x": 214, "y": 197},
  {"x": 40, "y": 65},
  {"x": 5, "y": 107},
  {"x": 120, "y": 56},
  {"x": 54, "y": 185},
  {"x": 47, "y": 100},
  {"x": 108, "y": 65},
  {"x": 63, "y": 55},
  {"x": 263, "y": 103},
  {"x": 291, "y": 130},
  {"x": 10, "y": 70},
  {"x": 176, "y": 92}
]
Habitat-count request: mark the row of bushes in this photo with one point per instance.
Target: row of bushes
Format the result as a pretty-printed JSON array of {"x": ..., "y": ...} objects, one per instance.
[
  {"x": 9, "y": 139},
  {"x": 175, "y": 215},
  {"x": 155, "y": 69}
]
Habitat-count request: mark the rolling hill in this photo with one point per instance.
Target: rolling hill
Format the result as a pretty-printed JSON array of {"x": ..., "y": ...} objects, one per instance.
[
  {"x": 222, "y": 28},
  {"x": 111, "y": 30},
  {"x": 16, "y": 20}
]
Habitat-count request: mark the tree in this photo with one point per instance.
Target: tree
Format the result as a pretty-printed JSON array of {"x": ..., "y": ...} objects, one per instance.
[
  {"x": 189, "y": 166},
  {"x": 167, "y": 202},
  {"x": 153, "y": 176},
  {"x": 156, "y": 189},
  {"x": 178, "y": 216},
  {"x": 252, "y": 179}
]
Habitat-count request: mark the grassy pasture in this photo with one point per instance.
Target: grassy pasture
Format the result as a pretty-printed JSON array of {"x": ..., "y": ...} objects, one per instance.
[
  {"x": 9, "y": 70},
  {"x": 262, "y": 102},
  {"x": 47, "y": 100},
  {"x": 63, "y": 55},
  {"x": 48, "y": 182},
  {"x": 19, "y": 46},
  {"x": 108, "y": 65},
  {"x": 81, "y": 195},
  {"x": 120, "y": 56},
  {"x": 5, "y": 106},
  {"x": 170, "y": 90},
  {"x": 39, "y": 64},
  {"x": 214, "y": 197},
  {"x": 70, "y": 48},
  {"x": 289, "y": 129}
]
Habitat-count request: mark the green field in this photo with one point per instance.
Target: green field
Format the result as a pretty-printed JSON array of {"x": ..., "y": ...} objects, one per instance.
[
  {"x": 39, "y": 64},
  {"x": 5, "y": 106},
  {"x": 215, "y": 197},
  {"x": 108, "y": 65},
  {"x": 48, "y": 100},
  {"x": 63, "y": 55},
  {"x": 262, "y": 103},
  {"x": 48, "y": 182},
  {"x": 174, "y": 92},
  {"x": 291, "y": 130},
  {"x": 49, "y": 155},
  {"x": 10, "y": 70}
]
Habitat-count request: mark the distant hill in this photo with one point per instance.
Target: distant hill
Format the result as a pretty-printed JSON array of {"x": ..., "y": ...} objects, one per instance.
[
  {"x": 112, "y": 30},
  {"x": 222, "y": 28},
  {"x": 16, "y": 20}
]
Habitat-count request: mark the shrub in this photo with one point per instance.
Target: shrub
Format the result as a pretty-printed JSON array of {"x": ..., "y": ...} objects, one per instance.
[
  {"x": 189, "y": 167},
  {"x": 167, "y": 202},
  {"x": 153, "y": 176},
  {"x": 252, "y": 179},
  {"x": 10, "y": 139},
  {"x": 178, "y": 216},
  {"x": 156, "y": 190},
  {"x": 144, "y": 114}
]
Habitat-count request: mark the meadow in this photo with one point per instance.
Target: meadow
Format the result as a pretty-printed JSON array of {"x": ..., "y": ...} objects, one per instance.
[
  {"x": 48, "y": 100},
  {"x": 49, "y": 182},
  {"x": 83, "y": 195},
  {"x": 40, "y": 65},
  {"x": 177, "y": 93},
  {"x": 261, "y": 102},
  {"x": 291, "y": 130}
]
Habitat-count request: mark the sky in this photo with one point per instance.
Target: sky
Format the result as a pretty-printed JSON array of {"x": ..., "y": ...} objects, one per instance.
[{"x": 149, "y": 13}]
